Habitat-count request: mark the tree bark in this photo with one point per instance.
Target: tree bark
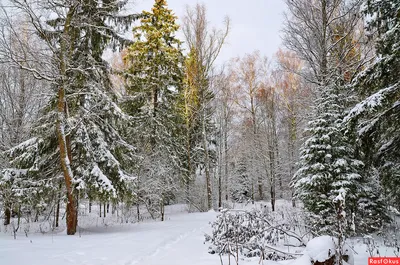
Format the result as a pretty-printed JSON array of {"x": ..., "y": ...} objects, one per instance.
[
  {"x": 138, "y": 210},
  {"x": 58, "y": 207},
  {"x": 162, "y": 208},
  {"x": 220, "y": 166},
  {"x": 61, "y": 135},
  {"x": 207, "y": 163},
  {"x": 65, "y": 164},
  {"x": 7, "y": 216},
  {"x": 226, "y": 160}
]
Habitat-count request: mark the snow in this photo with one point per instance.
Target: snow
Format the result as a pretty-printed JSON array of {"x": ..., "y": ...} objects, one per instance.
[
  {"x": 179, "y": 241},
  {"x": 371, "y": 103},
  {"x": 11, "y": 173},
  {"x": 106, "y": 183},
  {"x": 321, "y": 248},
  {"x": 303, "y": 260}
]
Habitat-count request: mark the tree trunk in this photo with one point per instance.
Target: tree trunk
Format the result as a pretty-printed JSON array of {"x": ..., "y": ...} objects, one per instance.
[
  {"x": 220, "y": 168},
  {"x": 207, "y": 163},
  {"x": 162, "y": 208},
  {"x": 104, "y": 209},
  {"x": 189, "y": 161},
  {"x": 225, "y": 144},
  {"x": 61, "y": 121},
  {"x": 65, "y": 164},
  {"x": 273, "y": 147},
  {"x": 293, "y": 201},
  {"x": 252, "y": 192},
  {"x": 57, "y": 217},
  {"x": 138, "y": 210},
  {"x": 219, "y": 191},
  {"x": 7, "y": 216},
  {"x": 273, "y": 198},
  {"x": 100, "y": 208},
  {"x": 292, "y": 146}
]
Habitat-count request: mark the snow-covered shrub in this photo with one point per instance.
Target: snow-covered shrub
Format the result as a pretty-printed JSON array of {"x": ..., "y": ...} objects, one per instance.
[
  {"x": 256, "y": 233},
  {"x": 325, "y": 250}
]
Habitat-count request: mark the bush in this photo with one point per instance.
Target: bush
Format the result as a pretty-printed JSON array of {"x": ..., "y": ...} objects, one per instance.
[{"x": 256, "y": 233}]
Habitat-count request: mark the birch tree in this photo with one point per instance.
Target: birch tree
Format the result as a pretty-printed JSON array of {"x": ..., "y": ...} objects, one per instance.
[
  {"x": 249, "y": 73},
  {"x": 205, "y": 46}
]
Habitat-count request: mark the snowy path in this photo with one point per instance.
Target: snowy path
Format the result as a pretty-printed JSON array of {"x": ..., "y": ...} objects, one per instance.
[{"x": 176, "y": 241}]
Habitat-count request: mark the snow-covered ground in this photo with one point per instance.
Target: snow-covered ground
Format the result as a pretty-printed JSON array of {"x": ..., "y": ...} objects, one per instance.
[{"x": 177, "y": 241}]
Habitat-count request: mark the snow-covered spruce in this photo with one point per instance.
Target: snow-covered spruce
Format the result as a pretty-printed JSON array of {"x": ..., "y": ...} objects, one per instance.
[
  {"x": 329, "y": 165},
  {"x": 81, "y": 127},
  {"x": 376, "y": 116}
]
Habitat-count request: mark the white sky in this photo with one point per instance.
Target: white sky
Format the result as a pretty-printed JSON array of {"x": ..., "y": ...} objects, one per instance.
[{"x": 255, "y": 24}]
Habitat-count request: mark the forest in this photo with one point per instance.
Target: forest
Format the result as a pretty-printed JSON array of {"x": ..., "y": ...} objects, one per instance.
[{"x": 113, "y": 113}]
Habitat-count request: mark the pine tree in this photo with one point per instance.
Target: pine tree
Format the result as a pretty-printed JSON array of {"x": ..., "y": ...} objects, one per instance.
[
  {"x": 376, "y": 117},
  {"x": 153, "y": 83},
  {"x": 81, "y": 127}
]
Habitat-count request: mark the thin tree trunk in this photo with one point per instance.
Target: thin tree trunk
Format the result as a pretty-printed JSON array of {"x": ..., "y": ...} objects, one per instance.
[
  {"x": 57, "y": 213},
  {"x": 292, "y": 139},
  {"x": 207, "y": 162},
  {"x": 138, "y": 210},
  {"x": 207, "y": 170},
  {"x": 114, "y": 207},
  {"x": 100, "y": 208},
  {"x": 162, "y": 208},
  {"x": 272, "y": 179},
  {"x": 189, "y": 161},
  {"x": 58, "y": 206},
  {"x": 252, "y": 192},
  {"x": 226, "y": 164},
  {"x": 220, "y": 168},
  {"x": 7, "y": 216},
  {"x": 272, "y": 146}
]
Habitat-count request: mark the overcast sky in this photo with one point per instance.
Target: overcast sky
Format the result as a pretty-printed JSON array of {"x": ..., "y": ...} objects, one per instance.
[{"x": 255, "y": 24}]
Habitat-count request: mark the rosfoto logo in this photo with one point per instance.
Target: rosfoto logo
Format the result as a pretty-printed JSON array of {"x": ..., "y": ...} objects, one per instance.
[{"x": 383, "y": 261}]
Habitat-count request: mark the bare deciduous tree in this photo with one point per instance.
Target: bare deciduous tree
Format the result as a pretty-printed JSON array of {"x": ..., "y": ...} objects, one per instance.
[{"x": 205, "y": 46}]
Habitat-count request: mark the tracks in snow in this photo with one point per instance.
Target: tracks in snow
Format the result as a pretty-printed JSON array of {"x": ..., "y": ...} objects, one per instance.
[{"x": 156, "y": 254}]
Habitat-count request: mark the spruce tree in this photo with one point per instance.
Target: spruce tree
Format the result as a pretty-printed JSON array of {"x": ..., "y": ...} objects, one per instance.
[
  {"x": 376, "y": 117},
  {"x": 329, "y": 163},
  {"x": 327, "y": 167},
  {"x": 241, "y": 182},
  {"x": 153, "y": 83},
  {"x": 81, "y": 127}
]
